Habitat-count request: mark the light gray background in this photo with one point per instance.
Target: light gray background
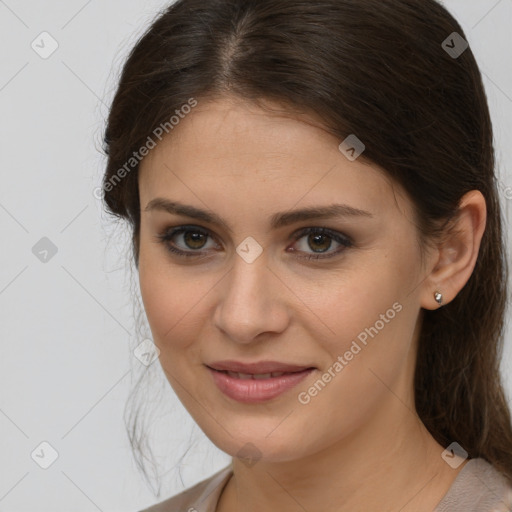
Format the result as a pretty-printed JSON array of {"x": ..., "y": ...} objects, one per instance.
[{"x": 67, "y": 328}]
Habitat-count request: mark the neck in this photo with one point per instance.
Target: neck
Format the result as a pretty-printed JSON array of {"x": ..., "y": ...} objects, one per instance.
[{"x": 391, "y": 463}]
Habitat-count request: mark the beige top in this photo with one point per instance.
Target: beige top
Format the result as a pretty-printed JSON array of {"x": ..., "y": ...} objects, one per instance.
[{"x": 477, "y": 488}]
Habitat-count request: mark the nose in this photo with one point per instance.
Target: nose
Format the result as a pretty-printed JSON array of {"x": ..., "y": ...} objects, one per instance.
[{"x": 251, "y": 301}]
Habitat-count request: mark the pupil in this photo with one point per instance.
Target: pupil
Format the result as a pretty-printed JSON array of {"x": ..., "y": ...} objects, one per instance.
[
  {"x": 316, "y": 238},
  {"x": 191, "y": 238}
]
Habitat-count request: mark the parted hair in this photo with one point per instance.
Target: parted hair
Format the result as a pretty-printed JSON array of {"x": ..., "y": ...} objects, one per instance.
[{"x": 378, "y": 69}]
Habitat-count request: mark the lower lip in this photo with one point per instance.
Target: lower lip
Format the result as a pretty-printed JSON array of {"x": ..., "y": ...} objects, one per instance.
[{"x": 251, "y": 391}]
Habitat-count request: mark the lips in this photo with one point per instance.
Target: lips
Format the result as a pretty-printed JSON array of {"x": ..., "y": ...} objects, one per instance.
[
  {"x": 255, "y": 376},
  {"x": 256, "y": 382},
  {"x": 258, "y": 368}
]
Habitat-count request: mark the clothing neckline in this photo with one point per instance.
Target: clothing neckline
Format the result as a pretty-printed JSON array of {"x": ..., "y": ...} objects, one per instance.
[{"x": 220, "y": 480}]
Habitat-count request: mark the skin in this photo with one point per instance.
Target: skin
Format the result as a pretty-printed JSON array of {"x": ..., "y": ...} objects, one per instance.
[{"x": 358, "y": 444}]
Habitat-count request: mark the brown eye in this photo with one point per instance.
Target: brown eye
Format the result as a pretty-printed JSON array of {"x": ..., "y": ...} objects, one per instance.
[
  {"x": 193, "y": 240},
  {"x": 320, "y": 240}
]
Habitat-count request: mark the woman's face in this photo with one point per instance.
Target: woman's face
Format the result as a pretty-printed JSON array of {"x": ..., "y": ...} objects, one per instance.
[{"x": 254, "y": 285}]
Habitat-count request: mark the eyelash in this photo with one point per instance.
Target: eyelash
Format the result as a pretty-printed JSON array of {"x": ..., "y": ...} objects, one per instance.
[{"x": 166, "y": 236}]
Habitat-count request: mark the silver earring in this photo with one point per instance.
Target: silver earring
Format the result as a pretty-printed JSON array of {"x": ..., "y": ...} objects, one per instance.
[{"x": 439, "y": 298}]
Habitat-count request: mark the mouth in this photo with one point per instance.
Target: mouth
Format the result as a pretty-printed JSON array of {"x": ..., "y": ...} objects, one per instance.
[
  {"x": 257, "y": 368},
  {"x": 254, "y": 376},
  {"x": 254, "y": 387}
]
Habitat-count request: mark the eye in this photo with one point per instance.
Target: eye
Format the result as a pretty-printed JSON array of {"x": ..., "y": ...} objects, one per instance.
[
  {"x": 193, "y": 240},
  {"x": 320, "y": 240}
]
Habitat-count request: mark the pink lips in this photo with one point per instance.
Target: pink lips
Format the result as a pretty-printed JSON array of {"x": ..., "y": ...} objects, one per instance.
[{"x": 256, "y": 384}]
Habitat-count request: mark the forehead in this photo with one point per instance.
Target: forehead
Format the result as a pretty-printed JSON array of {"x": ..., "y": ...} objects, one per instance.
[{"x": 251, "y": 157}]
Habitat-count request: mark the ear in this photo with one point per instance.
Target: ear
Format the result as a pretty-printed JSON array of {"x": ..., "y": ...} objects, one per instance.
[{"x": 454, "y": 259}]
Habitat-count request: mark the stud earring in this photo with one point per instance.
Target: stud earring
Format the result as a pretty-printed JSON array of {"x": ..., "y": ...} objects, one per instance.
[{"x": 439, "y": 298}]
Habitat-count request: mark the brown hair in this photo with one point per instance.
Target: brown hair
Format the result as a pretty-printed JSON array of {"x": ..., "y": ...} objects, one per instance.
[{"x": 377, "y": 69}]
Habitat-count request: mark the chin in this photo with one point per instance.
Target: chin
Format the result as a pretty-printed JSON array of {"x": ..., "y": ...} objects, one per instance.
[{"x": 252, "y": 449}]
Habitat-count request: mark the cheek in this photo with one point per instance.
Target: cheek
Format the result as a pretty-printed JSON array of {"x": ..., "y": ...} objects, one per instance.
[
  {"x": 168, "y": 300},
  {"x": 369, "y": 356},
  {"x": 177, "y": 304},
  {"x": 356, "y": 301},
  {"x": 369, "y": 314}
]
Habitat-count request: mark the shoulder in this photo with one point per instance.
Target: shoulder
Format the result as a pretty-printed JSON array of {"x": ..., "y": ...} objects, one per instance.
[
  {"x": 202, "y": 497},
  {"x": 479, "y": 487}
]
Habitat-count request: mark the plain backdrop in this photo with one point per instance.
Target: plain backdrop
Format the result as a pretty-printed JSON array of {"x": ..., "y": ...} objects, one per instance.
[{"x": 66, "y": 320}]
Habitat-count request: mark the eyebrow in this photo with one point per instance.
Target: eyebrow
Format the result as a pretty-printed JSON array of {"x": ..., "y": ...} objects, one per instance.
[{"x": 277, "y": 221}]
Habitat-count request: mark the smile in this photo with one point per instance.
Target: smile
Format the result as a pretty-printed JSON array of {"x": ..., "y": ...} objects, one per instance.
[{"x": 256, "y": 387}]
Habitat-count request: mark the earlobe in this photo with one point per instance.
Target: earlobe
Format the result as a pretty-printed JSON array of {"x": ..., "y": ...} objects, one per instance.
[{"x": 457, "y": 253}]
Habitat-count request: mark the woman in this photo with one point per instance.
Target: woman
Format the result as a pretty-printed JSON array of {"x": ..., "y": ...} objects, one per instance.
[{"x": 317, "y": 231}]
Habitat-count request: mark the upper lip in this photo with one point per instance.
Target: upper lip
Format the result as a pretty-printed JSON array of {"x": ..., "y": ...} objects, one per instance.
[{"x": 260, "y": 367}]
